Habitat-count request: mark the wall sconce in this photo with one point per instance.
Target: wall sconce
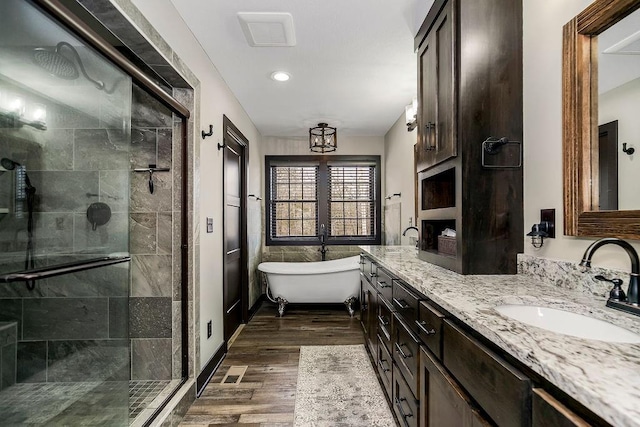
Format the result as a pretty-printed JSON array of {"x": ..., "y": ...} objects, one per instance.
[
  {"x": 546, "y": 228},
  {"x": 411, "y": 115}
]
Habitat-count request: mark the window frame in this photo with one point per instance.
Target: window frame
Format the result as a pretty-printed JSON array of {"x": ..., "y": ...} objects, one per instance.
[{"x": 323, "y": 198}]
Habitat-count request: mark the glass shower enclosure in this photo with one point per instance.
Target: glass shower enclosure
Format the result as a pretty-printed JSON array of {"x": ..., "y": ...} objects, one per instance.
[{"x": 81, "y": 232}]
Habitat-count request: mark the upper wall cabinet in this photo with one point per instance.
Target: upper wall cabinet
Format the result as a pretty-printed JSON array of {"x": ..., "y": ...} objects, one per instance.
[
  {"x": 436, "y": 88},
  {"x": 470, "y": 91}
]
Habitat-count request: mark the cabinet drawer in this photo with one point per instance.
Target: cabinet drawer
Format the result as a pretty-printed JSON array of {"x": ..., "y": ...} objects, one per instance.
[
  {"x": 405, "y": 404},
  {"x": 384, "y": 283},
  {"x": 406, "y": 302},
  {"x": 442, "y": 400},
  {"x": 367, "y": 268},
  {"x": 502, "y": 391},
  {"x": 406, "y": 354},
  {"x": 385, "y": 319},
  {"x": 547, "y": 411},
  {"x": 430, "y": 328},
  {"x": 385, "y": 366}
]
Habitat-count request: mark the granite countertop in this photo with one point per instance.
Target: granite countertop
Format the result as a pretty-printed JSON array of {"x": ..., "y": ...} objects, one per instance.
[{"x": 604, "y": 377}]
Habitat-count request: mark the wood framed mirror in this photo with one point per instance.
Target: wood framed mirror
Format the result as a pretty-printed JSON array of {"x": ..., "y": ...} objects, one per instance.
[{"x": 583, "y": 215}]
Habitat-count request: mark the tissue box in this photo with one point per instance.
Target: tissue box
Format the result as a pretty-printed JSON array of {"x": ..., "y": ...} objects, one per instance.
[{"x": 447, "y": 245}]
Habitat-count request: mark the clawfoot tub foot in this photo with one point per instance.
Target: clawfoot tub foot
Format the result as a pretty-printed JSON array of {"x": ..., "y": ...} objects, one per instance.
[
  {"x": 349, "y": 303},
  {"x": 282, "y": 303}
]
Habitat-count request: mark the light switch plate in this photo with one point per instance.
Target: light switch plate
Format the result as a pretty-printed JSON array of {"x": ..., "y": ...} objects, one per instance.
[{"x": 209, "y": 225}]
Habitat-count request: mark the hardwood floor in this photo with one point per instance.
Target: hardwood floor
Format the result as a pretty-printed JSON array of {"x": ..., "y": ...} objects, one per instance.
[{"x": 270, "y": 347}]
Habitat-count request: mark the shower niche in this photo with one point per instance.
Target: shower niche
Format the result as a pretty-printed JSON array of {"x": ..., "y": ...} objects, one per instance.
[{"x": 91, "y": 294}]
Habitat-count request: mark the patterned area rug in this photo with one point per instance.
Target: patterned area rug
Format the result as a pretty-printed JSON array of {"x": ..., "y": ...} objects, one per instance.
[{"x": 338, "y": 387}]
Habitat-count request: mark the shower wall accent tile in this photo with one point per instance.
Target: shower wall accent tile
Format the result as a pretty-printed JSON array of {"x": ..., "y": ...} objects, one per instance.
[
  {"x": 88, "y": 360},
  {"x": 101, "y": 149},
  {"x": 11, "y": 311},
  {"x": 151, "y": 276},
  {"x": 148, "y": 112},
  {"x": 65, "y": 318},
  {"x": 143, "y": 201},
  {"x": 113, "y": 107},
  {"x": 177, "y": 256},
  {"x": 143, "y": 147},
  {"x": 107, "y": 238},
  {"x": 119, "y": 317},
  {"x": 54, "y": 232},
  {"x": 164, "y": 141},
  {"x": 32, "y": 362},
  {"x": 53, "y": 190},
  {"x": 111, "y": 281},
  {"x": 114, "y": 190},
  {"x": 150, "y": 317},
  {"x": 151, "y": 359},
  {"x": 176, "y": 340},
  {"x": 143, "y": 234},
  {"x": 57, "y": 151},
  {"x": 8, "y": 365},
  {"x": 62, "y": 117},
  {"x": 165, "y": 230}
]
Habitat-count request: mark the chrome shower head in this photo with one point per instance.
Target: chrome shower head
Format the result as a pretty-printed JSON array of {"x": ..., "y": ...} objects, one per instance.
[{"x": 55, "y": 63}]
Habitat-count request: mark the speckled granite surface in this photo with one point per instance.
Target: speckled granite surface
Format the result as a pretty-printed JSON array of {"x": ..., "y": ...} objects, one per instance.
[
  {"x": 338, "y": 387},
  {"x": 605, "y": 377}
]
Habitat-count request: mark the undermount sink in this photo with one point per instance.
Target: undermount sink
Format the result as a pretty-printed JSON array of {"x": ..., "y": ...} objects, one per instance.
[{"x": 568, "y": 323}]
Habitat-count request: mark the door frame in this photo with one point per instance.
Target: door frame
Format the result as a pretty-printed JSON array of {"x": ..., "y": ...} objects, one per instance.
[{"x": 230, "y": 131}]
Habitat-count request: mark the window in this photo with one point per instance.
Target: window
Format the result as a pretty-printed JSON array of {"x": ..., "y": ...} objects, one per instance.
[{"x": 305, "y": 192}]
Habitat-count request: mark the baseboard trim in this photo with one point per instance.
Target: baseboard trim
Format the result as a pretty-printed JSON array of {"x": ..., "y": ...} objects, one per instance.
[
  {"x": 256, "y": 306},
  {"x": 210, "y": 369}
]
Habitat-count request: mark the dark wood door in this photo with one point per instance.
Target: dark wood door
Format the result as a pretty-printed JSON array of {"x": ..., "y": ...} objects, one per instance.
[
  {"x": 436, "y": 92},
  {"x": 443, "y": 403},
  {"x": 607, "y": 167},
  {"x": 235, "y": 289}
]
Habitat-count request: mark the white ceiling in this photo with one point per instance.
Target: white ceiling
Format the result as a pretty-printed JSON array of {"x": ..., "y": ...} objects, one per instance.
[
  {"x": 616, "y": 69},
  {"x": 353, "y": 65}
]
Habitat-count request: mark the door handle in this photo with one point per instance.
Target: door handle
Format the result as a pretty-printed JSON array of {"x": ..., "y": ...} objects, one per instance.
[
  {"x": 401, "y": 410},
  {"x": 402, "y": 353},
  {"x": 401, "y": 303},
  {"x": 429, "y": 136}
]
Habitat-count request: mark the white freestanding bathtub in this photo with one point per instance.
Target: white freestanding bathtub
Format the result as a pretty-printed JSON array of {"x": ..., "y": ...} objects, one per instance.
[{"x": 313, "y": 282}]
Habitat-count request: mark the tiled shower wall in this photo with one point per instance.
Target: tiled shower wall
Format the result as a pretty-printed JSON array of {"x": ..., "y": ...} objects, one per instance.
[
  {"x": 71, "y": 327},
  {"x": 155, "y": 242}
]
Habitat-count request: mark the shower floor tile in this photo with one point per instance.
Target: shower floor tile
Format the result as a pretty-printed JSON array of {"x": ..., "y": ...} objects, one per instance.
[{"x": 75, "y": 403}]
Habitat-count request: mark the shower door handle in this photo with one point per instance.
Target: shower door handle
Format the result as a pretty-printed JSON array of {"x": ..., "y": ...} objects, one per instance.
[{"x": 60, "y": 269}]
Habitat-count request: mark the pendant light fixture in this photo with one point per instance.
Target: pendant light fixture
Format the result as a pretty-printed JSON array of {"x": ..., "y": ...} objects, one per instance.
[{"x": 323, "y": 138}]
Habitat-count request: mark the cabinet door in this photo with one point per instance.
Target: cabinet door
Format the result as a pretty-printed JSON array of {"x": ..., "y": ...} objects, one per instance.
[
  {"x": 437, "y": 139},
  {"x": 547, "y": 411},
  {"x": 442, "y": 402}
]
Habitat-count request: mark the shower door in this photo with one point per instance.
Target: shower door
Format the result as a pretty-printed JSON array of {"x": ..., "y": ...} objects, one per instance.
[{"x": 65, "y": 125}]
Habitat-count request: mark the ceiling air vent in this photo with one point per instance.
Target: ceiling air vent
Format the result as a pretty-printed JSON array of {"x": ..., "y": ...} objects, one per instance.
[{"x": 268, "y": 29}]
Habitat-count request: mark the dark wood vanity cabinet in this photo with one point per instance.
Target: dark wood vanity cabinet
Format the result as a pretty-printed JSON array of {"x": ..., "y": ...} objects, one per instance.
[
  {"x": 443, "y": 402},
  {"x": 437, "y": 102},
  {"x": 468, "y": 93},
  {"x": 547, "y": 411},
  {"x": 368, "y": 313}
]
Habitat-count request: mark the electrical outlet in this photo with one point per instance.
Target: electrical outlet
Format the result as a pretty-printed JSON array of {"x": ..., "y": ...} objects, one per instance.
[
  {"x": 209, "y": 329},
  {"x": 209, "y": 225},
  {"x": 410, "y": 221}
]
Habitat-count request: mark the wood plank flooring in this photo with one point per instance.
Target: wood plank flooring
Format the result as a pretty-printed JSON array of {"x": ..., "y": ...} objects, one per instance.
[{"x": 270, "y": 347}]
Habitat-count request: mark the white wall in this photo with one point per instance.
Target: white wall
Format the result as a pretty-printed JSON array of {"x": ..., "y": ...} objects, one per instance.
[
  {"x": 216, "y": 99},
  {"x": 543, "y": 22},
  {"x": 622, "y": 104},
  {"x": 400, "y": 174}
]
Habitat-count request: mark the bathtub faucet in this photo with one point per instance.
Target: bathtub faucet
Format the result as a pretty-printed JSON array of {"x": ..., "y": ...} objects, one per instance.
[{"x": 323, "y": 236}]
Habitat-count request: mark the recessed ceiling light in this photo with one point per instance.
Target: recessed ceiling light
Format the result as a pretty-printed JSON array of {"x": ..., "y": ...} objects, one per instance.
[{"x": 280, "y": 76}]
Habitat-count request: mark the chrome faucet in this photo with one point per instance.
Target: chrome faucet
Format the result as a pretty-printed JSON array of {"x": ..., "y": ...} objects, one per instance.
[{"x": 617, "y": 298}]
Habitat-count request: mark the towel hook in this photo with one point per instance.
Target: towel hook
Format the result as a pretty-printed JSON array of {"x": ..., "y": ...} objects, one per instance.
[{"x": 206, "y": 134}]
